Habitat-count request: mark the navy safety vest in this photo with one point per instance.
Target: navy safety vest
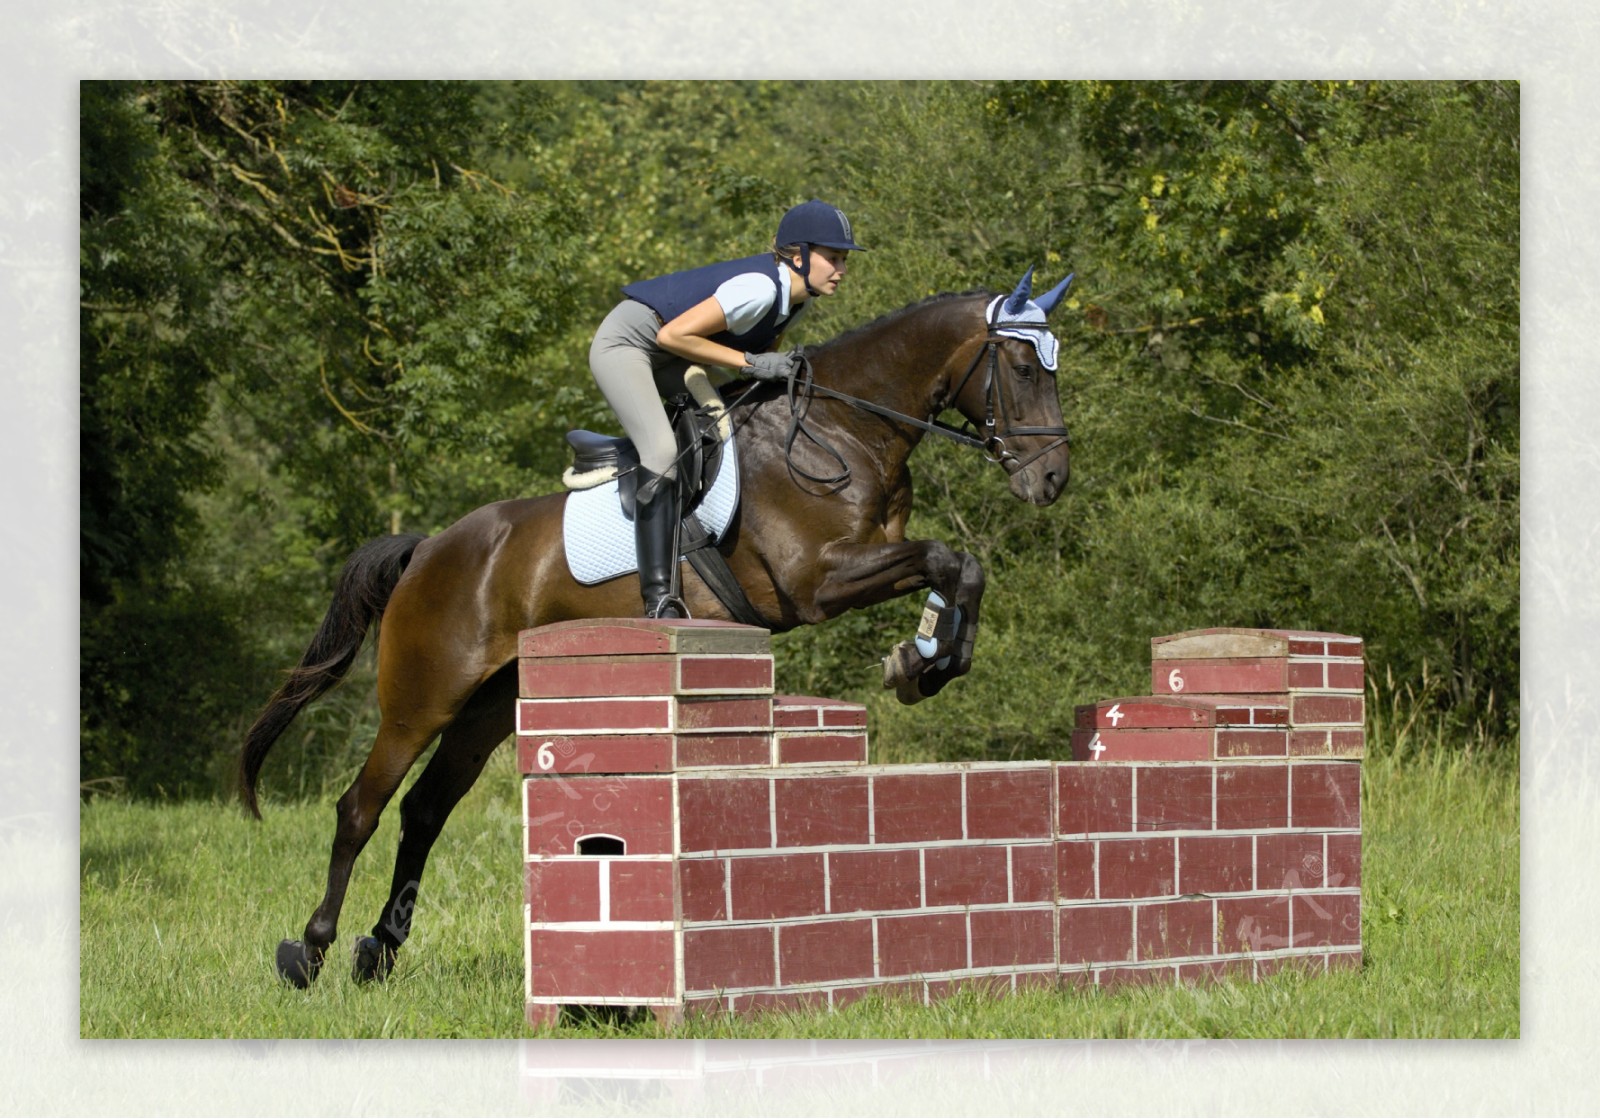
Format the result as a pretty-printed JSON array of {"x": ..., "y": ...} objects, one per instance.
[{"x": 671, "y": 295}]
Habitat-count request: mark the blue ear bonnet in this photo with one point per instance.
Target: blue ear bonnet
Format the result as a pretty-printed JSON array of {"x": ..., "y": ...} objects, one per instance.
[{"x": 1015, "y": 316}]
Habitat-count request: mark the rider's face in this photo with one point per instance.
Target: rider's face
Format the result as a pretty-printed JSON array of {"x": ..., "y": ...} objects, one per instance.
[{"x": 827, "y": 268}]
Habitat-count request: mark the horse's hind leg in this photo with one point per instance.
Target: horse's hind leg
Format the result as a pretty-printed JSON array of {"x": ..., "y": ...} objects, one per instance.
[
  {"x": 398, "y": 745},
  {"x": 464, "y": 748}
]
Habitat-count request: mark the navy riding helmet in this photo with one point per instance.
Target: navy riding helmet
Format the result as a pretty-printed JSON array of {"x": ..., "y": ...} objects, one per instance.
[
  {"x": 817, "y": 223},
  {"x": 814, "y": 223}
]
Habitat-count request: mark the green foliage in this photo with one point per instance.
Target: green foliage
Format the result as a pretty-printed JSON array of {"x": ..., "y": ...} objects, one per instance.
[{"x": 317, "y": 311}]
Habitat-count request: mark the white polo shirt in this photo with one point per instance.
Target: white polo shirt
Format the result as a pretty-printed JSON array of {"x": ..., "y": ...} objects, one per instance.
[{"x": 747, "y": 298}]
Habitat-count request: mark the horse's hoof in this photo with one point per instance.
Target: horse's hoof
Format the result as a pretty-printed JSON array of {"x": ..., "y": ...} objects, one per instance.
[
  {"x": 298, "y": 965},
  {"x": 901, "y": 669},
  {"x": 371, "y": 959}
]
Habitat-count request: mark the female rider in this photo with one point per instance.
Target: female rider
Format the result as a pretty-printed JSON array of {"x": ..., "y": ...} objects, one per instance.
[{"x": 728, "y": 314}]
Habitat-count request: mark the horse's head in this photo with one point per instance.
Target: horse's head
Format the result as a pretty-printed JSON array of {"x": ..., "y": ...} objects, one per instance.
[{"x": 1008, "y": 390}]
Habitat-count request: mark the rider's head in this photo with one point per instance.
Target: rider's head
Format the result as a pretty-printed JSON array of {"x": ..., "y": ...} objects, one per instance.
[{"x": 814, "y": 224}]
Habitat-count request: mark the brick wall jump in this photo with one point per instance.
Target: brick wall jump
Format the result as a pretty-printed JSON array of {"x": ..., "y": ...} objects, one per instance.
[{"x": 694, "y": 841}]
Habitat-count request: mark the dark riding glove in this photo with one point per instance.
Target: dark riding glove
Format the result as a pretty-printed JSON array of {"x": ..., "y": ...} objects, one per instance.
[{"x": 772, "y": 367}]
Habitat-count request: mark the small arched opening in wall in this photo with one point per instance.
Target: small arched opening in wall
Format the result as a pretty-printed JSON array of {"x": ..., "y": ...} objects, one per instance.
[{"x": 601, "y": 844}]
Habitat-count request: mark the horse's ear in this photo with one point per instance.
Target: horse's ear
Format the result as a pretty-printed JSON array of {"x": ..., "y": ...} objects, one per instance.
[
  {"x": 1049, "y": 300},
  {"x": 1018, "y": 300}
]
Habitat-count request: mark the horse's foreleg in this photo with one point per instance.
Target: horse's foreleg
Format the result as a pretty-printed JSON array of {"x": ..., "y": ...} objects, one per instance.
[
  {"x": 862, "y": 575},
  {"x": 464, "y": 748}
]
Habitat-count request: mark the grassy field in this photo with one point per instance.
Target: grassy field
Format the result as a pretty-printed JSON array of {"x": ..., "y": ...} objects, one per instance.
[{"x": 182, "y": 907}]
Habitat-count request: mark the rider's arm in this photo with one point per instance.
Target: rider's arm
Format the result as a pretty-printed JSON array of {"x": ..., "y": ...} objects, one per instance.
[{"x": 689, "y": 336}]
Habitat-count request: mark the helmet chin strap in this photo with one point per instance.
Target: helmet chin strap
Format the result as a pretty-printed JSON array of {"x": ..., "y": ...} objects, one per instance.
[{"x": 804, "y": 271}]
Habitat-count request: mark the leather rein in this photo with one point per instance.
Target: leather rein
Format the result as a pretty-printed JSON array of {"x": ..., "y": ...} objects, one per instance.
[{"x": 992, "y": 440}]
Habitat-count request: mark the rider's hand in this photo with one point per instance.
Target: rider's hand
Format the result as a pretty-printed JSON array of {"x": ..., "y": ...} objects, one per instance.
[{"x": 772, "y": 367}]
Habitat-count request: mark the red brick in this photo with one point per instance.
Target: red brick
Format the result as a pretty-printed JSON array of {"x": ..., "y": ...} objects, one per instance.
[
  {"x": 1203, "y": 972},
  {"x": 703, "y": 884},
  {"x": 636, "y": 809},
  {"x": 642, "y": 890},
  {"x": 1215, "y": 864},
  {"x": 916, "y": 807},
  {"x": 595, "y": 964},
  {"x": 1156, "y": 975},
  {"x": 716, "y": 959},
  {"x": 1309, "y": 710},
  {"x": 1136, "y": 868},
  {"x": 1326, "y": 919},
  {"x": 1344, "y": 860},
  {"x": 1013, "y": 937},
  {"x": 541, "y": 755},
  {"x": 824, "y": 951},
  {"x": 813, "y": 749},
  {"x": 1310, "y": 743},
  {"x": 723, "y": 750},
  {"x": 1289, "y": 861},
  {"x": 593, "y": 716},
  {"x": 1253, "y": 795},
  {"x": 1307, "y": 674},
  {"x": 1348, "y": 743},
  {"x": 874, "y": 880},
  {"x": 1243, "y": 676},
  {"x": 746, "y": 713},
  {"x": 768, "y": 886},
  {"x": 563, "y": 891},
  {"x": 1141, "y": 745},
  {"x": 1174, "y": 797},
  {"x": 816, "y": 712},
  {"x": 814, "y": 811},
  {"x": 921, "y": 943},
  {"x": 780, "y": 1002},
  {"x": 1252, "y": 743},
  {"x": 1010, "y": 803},
  {"x": 1096, "y": 934},
  {"x": 1033, "y": 873},
  {"x": 611, "y": 637},
  {"x": 1075, "y": 864},
  {"x": 598, "y": 676},
  {"x": 1094, "y": 799},
  {"x": 1253, "y": 924},
  {"x": 721, "y": 814},
  {"x": 724, "y": 674},
  {"x": 1326, "y": 796},
  {"x": 1175, "y": 928},
  {"x": 1346, "y": 676},
  {"x": 965, "y": 875},
  {"x": 1143, "y": 712},
  {"x": 1348, "y": 648}
]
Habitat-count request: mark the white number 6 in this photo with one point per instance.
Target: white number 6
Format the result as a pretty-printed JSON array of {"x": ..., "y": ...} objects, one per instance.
[
  {"x": 1175, "y": 680},
  {"x": 545, "y": 756}
]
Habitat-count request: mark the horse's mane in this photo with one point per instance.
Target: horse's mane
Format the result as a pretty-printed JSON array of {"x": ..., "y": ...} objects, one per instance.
[{"x": 885, "y": 322}]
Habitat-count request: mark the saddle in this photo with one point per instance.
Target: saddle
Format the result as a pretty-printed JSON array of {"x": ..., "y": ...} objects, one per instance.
[{"x": 703, "y": 429}]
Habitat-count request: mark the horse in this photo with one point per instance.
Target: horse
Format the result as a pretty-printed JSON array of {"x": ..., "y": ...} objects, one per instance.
[{"x": 805, "y": 547}]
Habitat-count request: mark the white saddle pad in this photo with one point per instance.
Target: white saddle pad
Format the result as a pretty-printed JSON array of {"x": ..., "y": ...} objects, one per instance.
[{"x": 599, "y": 539}]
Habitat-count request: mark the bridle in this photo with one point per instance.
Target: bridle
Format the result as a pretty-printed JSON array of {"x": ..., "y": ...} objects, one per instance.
[{"x": 991, "y": 440}]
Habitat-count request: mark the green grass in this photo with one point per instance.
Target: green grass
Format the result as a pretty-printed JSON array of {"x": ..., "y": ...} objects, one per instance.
[{"x": 182, "y": 906}]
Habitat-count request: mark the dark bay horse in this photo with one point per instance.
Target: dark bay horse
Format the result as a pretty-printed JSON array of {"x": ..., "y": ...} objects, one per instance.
[{"x": 451, "y": 605}]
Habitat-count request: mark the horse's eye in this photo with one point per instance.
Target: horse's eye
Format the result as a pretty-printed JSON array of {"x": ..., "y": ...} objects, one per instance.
[{"x": 1024, "y": 372}]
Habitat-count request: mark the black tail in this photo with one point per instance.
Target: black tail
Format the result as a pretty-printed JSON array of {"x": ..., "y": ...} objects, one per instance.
[{"x": 369, "y": 577}]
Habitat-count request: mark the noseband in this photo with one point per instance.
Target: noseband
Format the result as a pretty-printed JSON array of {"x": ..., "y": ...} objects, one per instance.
[{"x": 992, "y": 440}]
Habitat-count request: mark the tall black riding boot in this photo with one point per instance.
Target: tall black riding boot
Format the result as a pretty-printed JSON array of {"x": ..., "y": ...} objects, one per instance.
[{"x": 655, "y": 518}]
